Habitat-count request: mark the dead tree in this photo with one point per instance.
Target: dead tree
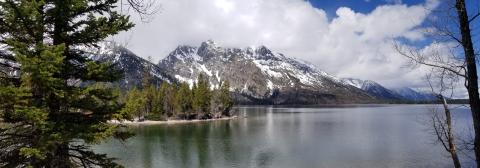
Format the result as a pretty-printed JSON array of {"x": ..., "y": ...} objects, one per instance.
[
  {"x": 454, "y": 25},
  {"x": 442, "y": 124}
]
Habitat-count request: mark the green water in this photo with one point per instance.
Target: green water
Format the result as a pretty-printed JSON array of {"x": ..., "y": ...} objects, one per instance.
[{"x": 280, "y": 137}]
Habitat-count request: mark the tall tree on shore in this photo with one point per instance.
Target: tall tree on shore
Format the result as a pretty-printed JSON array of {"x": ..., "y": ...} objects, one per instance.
[
  {"x": 159, "y": 101},
  {"x": 215, "y": 102},
  {"x": 184, "y": 100},
  {"x": 202, "y": 96},
  {"x": 51, "y": 118},
  {"x": 148, "y": 89},
  {"x": 135, "y": 102},
  {"x": 454, "y": 24},
  {"x": 169, "y": 101},
  {"x": 225, "y": 98}
]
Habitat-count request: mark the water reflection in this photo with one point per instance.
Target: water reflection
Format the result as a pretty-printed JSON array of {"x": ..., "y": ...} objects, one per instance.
[{"x": 385, "y": 136}]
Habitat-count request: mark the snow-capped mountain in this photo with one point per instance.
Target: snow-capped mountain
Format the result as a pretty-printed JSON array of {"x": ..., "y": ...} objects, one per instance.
[
  {"x": 256, "y": 75},
  {"x": 373, "y": 88},
  {"x": 381, "y": 92},
  {"x": 413, "y": 95},
  {"x": 259, "y": 75},
  {"x": 132, "y": 65}
]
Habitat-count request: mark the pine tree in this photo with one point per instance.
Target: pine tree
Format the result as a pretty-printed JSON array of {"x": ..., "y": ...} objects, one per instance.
[
  {"x": 202, "y": 96},
  {"x": 170, "y": 100},
  {"x": 148, "y": 88},
  {"x": 161, "y": 97},
  {"x": 147, "y": 77},
  {"x": 158, "y": 112},
  {"x": 168, "y": 92},
  {"x": 225, "y": 98},
  {"x": 149, "y": 94},
  {"x": 135, "y": 102},
  {"x": 215, "y": 102},
  {"x": 51, "y": 119},
  {"x": 184, "y": 101}
]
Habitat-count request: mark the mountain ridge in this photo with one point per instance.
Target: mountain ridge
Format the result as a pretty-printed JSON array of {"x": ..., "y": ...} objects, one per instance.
[
  {"x": 377, "y": 90},
  {"x": 132, "y": 65},
  {"x": 258, "y": 73}
]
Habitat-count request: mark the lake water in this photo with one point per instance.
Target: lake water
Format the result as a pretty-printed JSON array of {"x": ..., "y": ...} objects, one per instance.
[{"x": 296, "y": 137}]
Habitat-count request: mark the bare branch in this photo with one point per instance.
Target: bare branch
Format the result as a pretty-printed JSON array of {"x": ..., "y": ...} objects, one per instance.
[
  {"x": 144, "y": 8},
  {"x": 418, "y": 58},
  {"x": 474, "y": 17}
]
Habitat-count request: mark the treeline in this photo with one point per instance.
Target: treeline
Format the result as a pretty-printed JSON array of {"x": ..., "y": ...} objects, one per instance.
[
  {"x": 449, "y": 101},
  {"x": 172, "y": 101}
]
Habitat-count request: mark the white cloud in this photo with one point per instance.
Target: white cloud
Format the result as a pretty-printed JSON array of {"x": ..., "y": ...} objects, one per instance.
[{"x": 350, "y": 44}]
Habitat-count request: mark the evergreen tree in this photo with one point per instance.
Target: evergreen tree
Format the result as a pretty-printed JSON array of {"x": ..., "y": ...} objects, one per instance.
[
  {"x": 148, "y": 88},
  {"x": 202, "y": 95},
  {"x": 149, "y": 94},
  {"x": 50, "y": 118},
  {"x": 162, "y": 93},
  {"x": 184, "y": 101},
  {"x": 147, "y": 77},
  {"x": 168, "y": 93},
  {"x": 215, "y": 102},
  {"x": 135, "y": 102},
  {"x": 225, "y": 98},
  {"x": 158, "y": 112},
  {"x": 170, "y": 100}
]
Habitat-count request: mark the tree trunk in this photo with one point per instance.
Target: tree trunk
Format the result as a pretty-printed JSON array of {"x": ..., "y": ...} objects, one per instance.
[
  {"x": 60, "y": 159},
  {"x": 472, "y": 84},
  {"x": 451, "y": 145}
]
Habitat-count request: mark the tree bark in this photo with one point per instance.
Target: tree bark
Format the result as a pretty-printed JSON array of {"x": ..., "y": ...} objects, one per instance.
[
  {"x": 60, "y": 158},
  {"x": 472, "y": 83},
  {"x": 451, "y": 145}
]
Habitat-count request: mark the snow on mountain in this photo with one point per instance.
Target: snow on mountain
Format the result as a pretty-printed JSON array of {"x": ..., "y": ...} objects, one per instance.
[
  {"x": 259, "y": 74},
  {"x": 373, "y": 88},
  {"x": 132, "y": 65},
  {"x": 413, "y": 95},
  {"x": 381, "y": 92},
  {"x": 354, "y": 82},
  {"x": 256, "y": 74}
]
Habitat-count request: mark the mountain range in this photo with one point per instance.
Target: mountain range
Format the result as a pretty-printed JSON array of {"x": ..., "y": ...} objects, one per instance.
[
  {"x": 375, "y": 89},
  {"x": 257, "y": 75}
]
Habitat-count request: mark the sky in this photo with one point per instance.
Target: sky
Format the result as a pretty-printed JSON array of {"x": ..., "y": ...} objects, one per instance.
[{"x": 346, "y": 38}]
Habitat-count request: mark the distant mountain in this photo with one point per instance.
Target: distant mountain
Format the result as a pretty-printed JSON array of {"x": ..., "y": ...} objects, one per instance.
[
  {"x": 373, "y": 88},
  {"x": 413, "y": 95},
  {"x": 259, "y": 75},
  {"x": 132, "y": 65},
  {"x": 381, "y": 92}
]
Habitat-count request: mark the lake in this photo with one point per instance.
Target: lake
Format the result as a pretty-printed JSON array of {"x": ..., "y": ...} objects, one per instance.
[{"x": 301, "y": 137}]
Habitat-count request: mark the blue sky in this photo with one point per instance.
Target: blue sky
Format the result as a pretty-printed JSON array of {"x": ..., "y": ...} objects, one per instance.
[{"x": 362, "y": 6}]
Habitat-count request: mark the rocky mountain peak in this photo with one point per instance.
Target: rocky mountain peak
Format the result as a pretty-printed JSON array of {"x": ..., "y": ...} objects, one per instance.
[
  {"x": 210, "y": 42},
  {"x": 125, "y": 60},
  {"x": 264, "y": 53},
  {"x": 208, "y": 48},
  {"x": 262, "y": 50},
  {"x": 258, "y": 74},
  {"x": 184, "y": 50}
]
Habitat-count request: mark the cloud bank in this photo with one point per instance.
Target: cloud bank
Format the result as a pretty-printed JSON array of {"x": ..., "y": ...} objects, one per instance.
[{"x": 348, "y": 44}]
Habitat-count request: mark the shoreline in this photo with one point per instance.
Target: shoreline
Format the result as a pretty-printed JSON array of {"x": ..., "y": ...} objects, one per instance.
[{"x": 152, "y": 122}]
